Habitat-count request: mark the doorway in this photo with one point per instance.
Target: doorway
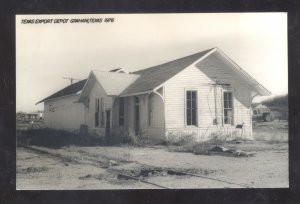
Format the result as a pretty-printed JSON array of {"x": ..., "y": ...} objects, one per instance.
[
  {"x": 137, "y": 115},
  {"x": 107, "y": 124}
]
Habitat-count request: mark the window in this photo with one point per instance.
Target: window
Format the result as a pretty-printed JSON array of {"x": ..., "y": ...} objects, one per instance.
[
  {"x": 228, "y": 108},
  {"x": 150, "y": 109},
  {"x": 255, "y": 112},
  {"x": 121, "y": 111},
  {"x": 97, "y": 111},
  {"x": 191, "y": 107},
  {"x": 102, "y": 112}
]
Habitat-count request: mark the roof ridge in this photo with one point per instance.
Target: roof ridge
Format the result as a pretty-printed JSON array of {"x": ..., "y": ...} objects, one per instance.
[
  {"x": 178, "y": 59},
  {"x": 154, "y": 76}
]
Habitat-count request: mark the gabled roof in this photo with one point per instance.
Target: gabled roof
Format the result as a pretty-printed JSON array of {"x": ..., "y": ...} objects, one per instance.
[
  {"x": 114, "y": 83},
  {"x": 155, "y": 76},
  {"x": 151, "y": 78},
  {"x": 69, "y": 90}
]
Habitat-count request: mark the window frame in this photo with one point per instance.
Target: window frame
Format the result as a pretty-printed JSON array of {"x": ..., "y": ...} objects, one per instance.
[
  {"x": 97, "y": 112},
  {"x": 232, "y": 108},
  {"x": 186, "y": 108},
  {"x": 121, "y": 117}
]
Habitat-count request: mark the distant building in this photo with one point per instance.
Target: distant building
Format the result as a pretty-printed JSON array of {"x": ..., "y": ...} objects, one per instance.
[
  {"x": 259, "y": 110},
  {"x": 31, "y": 116},
  {"x": 37, "y": 115}
]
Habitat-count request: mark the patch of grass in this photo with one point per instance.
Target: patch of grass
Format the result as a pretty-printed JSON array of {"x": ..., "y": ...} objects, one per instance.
[
  {"x": 183, "y": 139},
  {"x": 203, "y": 148},
  {"x": 54, "y": 138},
  {"x": 197, "y": 148}
]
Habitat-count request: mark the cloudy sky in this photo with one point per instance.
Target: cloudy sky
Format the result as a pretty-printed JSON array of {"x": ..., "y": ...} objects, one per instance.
[{"x": 45, "y": 53}]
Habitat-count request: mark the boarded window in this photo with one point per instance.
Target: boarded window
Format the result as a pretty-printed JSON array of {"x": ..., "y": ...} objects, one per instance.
[
  {"x": 150, "y": 109},
  {"x": 191, "y": 107},
  {"x": 97, "y": 111},
  {"x": 121, "y": 111},
  {"x": 228, "y": 108}
]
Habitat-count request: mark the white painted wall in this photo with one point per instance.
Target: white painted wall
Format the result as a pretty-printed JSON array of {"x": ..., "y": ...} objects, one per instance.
[
  {"x": 97, "y": 92},
  {"x": 198, "y": 78},
  {"x": 64, "y": 113}
]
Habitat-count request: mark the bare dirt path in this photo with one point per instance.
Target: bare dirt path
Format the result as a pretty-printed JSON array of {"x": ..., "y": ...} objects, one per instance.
[
  {"x": 266, "y": 169},
  {"x": 41, "y": 172}
]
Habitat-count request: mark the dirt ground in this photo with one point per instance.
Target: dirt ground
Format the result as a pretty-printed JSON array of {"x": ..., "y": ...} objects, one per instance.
[{"x": 104, "y": 167}]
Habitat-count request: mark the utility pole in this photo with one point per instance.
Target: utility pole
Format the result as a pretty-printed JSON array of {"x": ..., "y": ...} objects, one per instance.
[{"x": 71, "y": 79}]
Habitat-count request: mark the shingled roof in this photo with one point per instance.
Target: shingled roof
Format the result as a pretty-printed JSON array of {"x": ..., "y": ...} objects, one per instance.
[
  {"x": 146, "y": 80},
  {"x": 71, "y": 89},
  {"x": 154, "y": 76}
]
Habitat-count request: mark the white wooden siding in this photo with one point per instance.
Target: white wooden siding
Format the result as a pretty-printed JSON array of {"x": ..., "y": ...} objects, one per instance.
[
  {"x": 201, "y": 77},
  {"x": 97, "y": 92},
  {"x": 64, "y": 113}
]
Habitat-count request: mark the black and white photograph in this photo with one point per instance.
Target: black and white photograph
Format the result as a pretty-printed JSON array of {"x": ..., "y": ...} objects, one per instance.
[{"x": 152, "y": 101}]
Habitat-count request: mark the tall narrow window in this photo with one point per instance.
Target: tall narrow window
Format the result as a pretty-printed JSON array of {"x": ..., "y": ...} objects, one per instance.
[
  {"x": 121, "y": 111},
  {"x": 150, "y": 109},
  {"x": 228, "y": 108},
  {"x": 102, "y": 112},
  {"x": 97, "y": 111},
  {"x": 191, "y": 107}
]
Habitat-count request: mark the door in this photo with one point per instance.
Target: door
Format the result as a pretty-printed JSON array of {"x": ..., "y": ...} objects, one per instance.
[
  {"x": 107, "y": 125},
  {"x": 137, "y": 115}
]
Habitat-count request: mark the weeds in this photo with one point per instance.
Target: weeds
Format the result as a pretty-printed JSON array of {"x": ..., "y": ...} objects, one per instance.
[
  {"x": 183, "y": 139},
  {"x": 54, "y": 138}
]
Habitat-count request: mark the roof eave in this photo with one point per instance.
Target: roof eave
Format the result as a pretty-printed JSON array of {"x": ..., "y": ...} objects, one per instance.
[
  {"x": 137, "y": 93},
  {"x": 50, "y": 99},
  {"x": 84, "y": 87},
  {"x": 261, "y": 90}
]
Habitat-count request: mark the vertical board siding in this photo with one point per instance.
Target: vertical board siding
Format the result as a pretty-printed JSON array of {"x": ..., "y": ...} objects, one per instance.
[
  {"x": 64, "y": 113},
  {"x": 200, "y": 77}
]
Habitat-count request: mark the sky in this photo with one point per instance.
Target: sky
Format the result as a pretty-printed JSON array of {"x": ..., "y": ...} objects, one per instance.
[{"x": 47, "y": 52}]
